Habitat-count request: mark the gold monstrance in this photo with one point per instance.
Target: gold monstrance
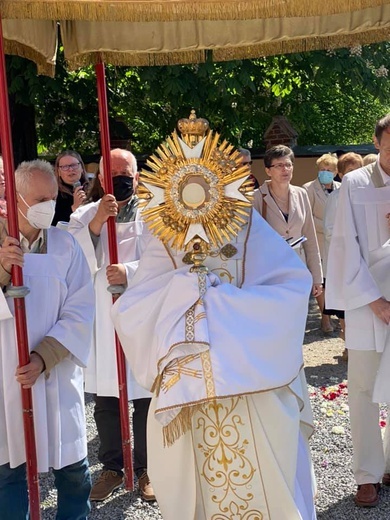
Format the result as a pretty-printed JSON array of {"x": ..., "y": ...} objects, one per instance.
[{"x": 197, "y": 193}]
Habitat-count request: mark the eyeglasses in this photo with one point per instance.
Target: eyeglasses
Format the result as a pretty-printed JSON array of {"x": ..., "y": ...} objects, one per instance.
[
  {"x": 67, "y": 167},
  {"x": 248, "y": 162},
  {"x": 280, "y": 166}
]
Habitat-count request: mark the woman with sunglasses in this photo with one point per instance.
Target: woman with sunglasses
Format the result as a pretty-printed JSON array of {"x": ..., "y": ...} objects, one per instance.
[
  {"x": 287, "y": 209},
  {"x": 71, "y": 176}
]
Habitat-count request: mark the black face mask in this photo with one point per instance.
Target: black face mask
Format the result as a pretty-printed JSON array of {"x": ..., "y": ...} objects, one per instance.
[{"x": 123, "y": 187}]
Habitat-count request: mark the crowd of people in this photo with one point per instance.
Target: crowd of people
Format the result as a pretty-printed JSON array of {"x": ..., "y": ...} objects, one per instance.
[{"x": 203, "y": 345}]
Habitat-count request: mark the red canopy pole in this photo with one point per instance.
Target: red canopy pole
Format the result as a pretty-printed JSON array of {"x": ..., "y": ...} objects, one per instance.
[
  {"x": 113, "y": 250},
  {"x": 19, "y": 291}
]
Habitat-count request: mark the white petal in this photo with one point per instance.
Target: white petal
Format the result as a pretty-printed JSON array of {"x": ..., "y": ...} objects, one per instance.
[
  {"x": 158, "y": 195},
  {"x": 196, "y": 229},
  {"x": 190, "y": 153},
  {"x": 231, "y": 190}
]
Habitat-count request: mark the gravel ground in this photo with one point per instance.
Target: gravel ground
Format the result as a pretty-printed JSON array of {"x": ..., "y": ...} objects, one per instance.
[{"x": 331, "y": 443}]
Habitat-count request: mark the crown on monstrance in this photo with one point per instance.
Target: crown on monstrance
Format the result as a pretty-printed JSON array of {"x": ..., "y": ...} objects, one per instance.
[{"x": 192, "y": 129}]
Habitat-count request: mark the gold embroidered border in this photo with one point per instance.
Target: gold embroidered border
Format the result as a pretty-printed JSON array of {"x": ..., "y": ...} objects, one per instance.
[
  {"x": 208, "y": 374},
  {"x": 228, "y": 396},
  {"x": 225, "y": 452}
]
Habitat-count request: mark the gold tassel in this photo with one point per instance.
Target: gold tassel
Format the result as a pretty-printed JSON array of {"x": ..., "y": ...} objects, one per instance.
[
  {"x": 180, "y": 425},
  {"x": 133, "y": 11},
  {"x": 157, "y": 385}
]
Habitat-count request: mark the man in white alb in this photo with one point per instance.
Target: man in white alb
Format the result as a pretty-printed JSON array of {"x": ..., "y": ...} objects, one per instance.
[
  {"x": 219, "y": 345},
  {"x": 60, "y": 311},
  {"x": 357, "y": 280},
  {"x": 89, "y": 226}
]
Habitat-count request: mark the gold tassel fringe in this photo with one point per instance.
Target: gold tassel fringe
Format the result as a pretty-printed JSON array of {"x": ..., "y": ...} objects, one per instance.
[
  {"x": 232, "y": 53},
  {"x": 133, "y": 59},
  {"x": 18, "y": 49},
  {"x": 302, "y": 45},
  {"x": 180, "y": 424},
  {"x": 150, "y": 11}
]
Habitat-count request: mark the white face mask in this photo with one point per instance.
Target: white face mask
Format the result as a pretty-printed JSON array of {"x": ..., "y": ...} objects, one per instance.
[{"x": 40, "y": 215}]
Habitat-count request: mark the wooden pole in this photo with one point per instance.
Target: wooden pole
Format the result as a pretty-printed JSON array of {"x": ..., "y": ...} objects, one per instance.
[
  {"x": 113, "y": 251},
  {"x": 18, "y": 290}
]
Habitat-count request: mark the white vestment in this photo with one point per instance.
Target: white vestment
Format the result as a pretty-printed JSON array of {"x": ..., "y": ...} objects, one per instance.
[
  {"x": 219, "y": 364},
  {"x": 101, "y": 373},
  {"x": 359, "y": 260},
  {"x": 61, "y": 305}
]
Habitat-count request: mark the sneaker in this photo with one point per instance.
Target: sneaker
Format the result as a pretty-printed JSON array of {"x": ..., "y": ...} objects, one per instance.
[
  {"x": 105, "y": 485},
  {"x": 145, "y": 487}
]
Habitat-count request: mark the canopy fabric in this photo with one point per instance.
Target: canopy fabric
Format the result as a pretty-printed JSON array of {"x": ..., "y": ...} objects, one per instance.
[
  {"x": 150, "y": 32},
  {"x": 177, "y": 10},
  {"x": 32, "y": 39},
  {"x": 161, "y": 43}
]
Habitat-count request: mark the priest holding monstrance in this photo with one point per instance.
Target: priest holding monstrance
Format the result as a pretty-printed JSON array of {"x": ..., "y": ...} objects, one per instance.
[{"x": 212, "y": 323}]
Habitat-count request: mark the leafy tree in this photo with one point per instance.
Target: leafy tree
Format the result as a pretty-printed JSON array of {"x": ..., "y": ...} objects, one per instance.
[{"x": 331, "y": 97}]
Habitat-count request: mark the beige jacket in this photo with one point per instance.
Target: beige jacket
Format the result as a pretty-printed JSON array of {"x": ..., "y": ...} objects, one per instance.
[
  {"x": 300, "y": 222},
  {"x": 318, "y": 197}
]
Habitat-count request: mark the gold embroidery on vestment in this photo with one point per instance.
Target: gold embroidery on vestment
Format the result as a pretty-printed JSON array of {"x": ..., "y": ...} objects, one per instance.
[
  {"x": 208, "y": 374},
  {"x": 200, "y": 316},
  {"x": 226, "y": 468},
  {"x": 176, "y": 369}
]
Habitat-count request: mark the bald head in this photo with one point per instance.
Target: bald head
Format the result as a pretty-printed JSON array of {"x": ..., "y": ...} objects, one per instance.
[
  {"x": 121, "y": 160},
  {"x": 123, "y": 163}
]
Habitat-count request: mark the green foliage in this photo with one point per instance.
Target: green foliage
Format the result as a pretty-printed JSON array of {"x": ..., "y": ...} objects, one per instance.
[{"x": 330, "y": 97}]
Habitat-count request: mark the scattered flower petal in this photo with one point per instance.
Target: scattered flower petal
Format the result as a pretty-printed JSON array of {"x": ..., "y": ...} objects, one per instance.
[{"x": 338, "y": 430}]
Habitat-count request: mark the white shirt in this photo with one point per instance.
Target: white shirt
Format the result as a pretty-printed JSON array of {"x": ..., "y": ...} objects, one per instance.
[
  {"x": 25, "y": 246},
  {"x": 385, "y": 177}
]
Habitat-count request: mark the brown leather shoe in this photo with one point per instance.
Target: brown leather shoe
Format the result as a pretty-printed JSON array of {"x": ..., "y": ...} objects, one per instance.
[
  {"x": 386, "y": 479},
  {"x": 105, "y": 485},
  {"x": 367, "y": 495},
  {"x": 145, "y": 487}
]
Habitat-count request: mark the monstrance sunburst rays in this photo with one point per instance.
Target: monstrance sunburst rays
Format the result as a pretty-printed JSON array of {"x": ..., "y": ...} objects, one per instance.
[{"x": 195, "y": 193}]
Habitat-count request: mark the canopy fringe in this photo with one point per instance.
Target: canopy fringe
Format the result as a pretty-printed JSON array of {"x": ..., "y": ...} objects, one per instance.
[
  {"x": 152, "y": 10},
  {"x": 314, "y": 43},
  {"x": 232, "y": 53},
  {"x": 136, "y": 59},
  {"x": 18, "y": 49}
]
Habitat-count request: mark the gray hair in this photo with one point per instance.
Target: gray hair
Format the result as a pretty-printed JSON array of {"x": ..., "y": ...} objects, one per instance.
[
  {"x": 244, "y": 151},
  {"x": 127, "y": 155},
  {"x": 24, "y": 173}
]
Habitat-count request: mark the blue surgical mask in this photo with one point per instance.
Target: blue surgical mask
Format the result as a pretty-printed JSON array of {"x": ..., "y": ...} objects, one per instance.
[{"x": 325, "y": 177}]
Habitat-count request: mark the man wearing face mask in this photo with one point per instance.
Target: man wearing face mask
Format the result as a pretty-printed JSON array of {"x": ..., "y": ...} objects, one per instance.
[
  {"x": 89, "y": 226},
  {"x": 60, "y": 312}
]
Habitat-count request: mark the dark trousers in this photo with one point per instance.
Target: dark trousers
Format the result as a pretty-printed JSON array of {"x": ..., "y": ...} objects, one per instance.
[
  {"x": 73, "y": 485},
  {"x": 107, "y": 418}
]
